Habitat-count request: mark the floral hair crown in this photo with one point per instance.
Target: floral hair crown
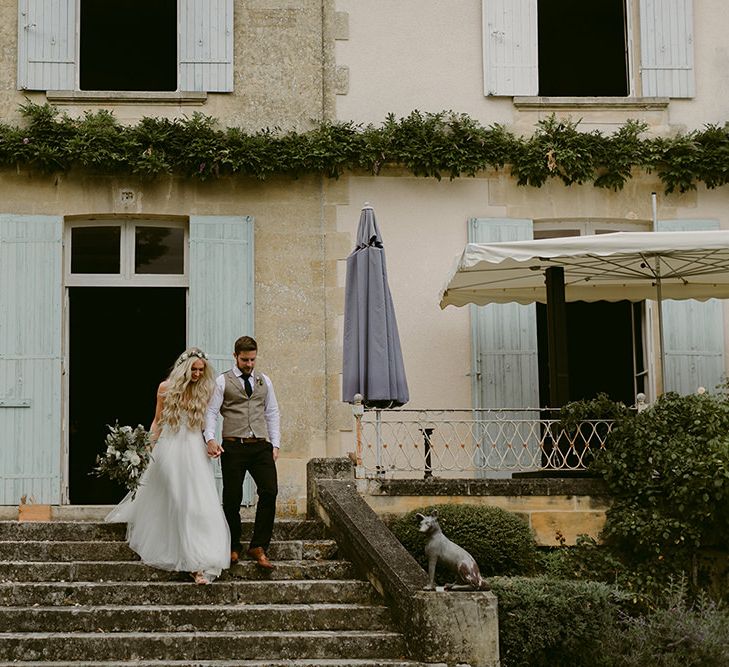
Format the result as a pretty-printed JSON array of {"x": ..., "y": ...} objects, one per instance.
[{"x": 188, "y": 355}]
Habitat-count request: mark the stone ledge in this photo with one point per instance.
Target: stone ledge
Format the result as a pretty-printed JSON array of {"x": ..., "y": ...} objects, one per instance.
[
  {"x": 454, "y": 627},
  {"x": 635, "y": 103},
  {"x": 125, "y": 97},
  {"x": 547, "y": 486}
]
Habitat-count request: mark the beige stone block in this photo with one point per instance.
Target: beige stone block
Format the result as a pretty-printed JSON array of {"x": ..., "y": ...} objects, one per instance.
[
  {"x": 341, "y": 80},
  {"x": 341, "y": 25},
  {"x": 531, "y": 503},
  {"x": 548, "y": 526},
  {"x": 592, "y": 503}
]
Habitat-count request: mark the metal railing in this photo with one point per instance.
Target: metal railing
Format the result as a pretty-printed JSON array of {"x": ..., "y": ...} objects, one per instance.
[{"x": 403, "y": 443}]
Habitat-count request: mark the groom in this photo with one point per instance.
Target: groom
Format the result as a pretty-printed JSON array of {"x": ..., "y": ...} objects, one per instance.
[{"x": 251, "y": 438}]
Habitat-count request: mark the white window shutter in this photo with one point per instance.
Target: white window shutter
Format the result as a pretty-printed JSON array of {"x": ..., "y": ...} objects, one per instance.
[
  {"x": 510, "y": 47},
  {"x": 221, "y": 293},
  {"x": 47, "y": 44},
  {"x": 206, "y": 45},
  {"x": 693, "y": 332},
  {"x": 30, "y": 358},
  {"x": 667, "y": 48}
]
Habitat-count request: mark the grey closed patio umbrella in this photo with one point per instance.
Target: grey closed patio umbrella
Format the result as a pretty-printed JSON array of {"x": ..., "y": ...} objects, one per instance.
[{"x": 373, "y": 363}]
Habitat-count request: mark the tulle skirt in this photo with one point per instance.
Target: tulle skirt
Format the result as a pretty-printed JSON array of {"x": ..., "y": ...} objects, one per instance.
[{"x": 175, "y": 521}]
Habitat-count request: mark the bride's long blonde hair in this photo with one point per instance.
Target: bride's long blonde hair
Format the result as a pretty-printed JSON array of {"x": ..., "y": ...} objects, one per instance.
[{"x": 184, "y": 397}]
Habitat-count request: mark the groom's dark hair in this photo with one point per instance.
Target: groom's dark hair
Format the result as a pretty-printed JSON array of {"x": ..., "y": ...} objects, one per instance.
[{"x": 245, "y": 344}]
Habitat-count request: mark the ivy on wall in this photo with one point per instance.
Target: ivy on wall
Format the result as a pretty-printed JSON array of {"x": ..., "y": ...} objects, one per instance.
[{"x": 426, "y": 144}]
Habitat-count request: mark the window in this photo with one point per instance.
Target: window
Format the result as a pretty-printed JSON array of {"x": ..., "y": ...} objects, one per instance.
[
  {"x": 575, "y": 48},
  {"x": 119, "y": 40},
  {"x": 126, "y": 45},
  {"x": 126, "y": 252},
  {"x": 582, "y": 48}
]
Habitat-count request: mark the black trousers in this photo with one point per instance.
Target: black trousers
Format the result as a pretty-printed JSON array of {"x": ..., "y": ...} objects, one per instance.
[{"x": 256, "y": 459}]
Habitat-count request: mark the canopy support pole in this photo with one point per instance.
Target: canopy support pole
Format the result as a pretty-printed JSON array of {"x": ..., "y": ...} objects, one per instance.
[
  {"x": 557, "y": 337},
  {"x": 660, "y": 380}
]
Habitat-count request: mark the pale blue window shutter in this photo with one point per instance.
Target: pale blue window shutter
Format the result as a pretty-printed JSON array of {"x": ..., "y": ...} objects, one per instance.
[
  {"x": 206, "y": 45},
  {"x": 667, "y": 48},
  {"x": 505, "y": 334},
  {"x": 510, "y": 47},
  {"x": 47, "y": 44},
  {"x": 693, "y": 332},
  {"x": 221, "y": 291},
  {"x": 30, "y": 358},
  {"x": 505, "y": 364}
]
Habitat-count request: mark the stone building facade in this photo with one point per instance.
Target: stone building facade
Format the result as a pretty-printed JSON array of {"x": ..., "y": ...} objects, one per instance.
[{"x": 86, "y": 333}]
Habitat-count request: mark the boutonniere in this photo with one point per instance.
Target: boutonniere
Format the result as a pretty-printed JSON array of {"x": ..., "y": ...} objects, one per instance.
[{"x": 259, "y": 380}]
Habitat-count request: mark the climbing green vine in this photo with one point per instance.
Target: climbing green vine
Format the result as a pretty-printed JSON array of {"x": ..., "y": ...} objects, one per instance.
[{"x": 434, "y": 145}]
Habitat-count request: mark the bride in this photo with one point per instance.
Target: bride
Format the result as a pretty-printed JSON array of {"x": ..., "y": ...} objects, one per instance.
[{"x": 175, "y": 520}]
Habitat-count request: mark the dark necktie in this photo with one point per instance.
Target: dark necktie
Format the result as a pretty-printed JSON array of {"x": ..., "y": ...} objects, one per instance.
[{"x": 247, "y": 382}]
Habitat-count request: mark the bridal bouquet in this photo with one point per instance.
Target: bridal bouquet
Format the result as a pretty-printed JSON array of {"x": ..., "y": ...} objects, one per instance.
[{"x": 127, "y": 455}]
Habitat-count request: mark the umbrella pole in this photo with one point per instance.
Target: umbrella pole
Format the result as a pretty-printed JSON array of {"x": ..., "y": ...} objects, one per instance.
[{"x": 358, "y": 412}]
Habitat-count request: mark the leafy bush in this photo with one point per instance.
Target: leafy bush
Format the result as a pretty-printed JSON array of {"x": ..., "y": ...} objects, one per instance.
[
  {"x": 586, "y": 560},
  {"x": 500, "y": 541},
  {"x": 667, "y": 472},
  {"x": 430, "y": 145},
  {"x": 674, "y": 635},
  {"x": 546, "y": 622}
]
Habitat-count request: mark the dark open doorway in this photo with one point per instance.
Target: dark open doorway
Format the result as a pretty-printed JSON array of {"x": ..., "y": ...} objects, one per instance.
[
  {"x": 123, "y": 341},
  {"x": 600, "y": 340}
]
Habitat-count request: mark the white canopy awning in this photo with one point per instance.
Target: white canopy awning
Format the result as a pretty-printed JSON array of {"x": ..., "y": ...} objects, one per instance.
[{"x": 604, "y": 267}]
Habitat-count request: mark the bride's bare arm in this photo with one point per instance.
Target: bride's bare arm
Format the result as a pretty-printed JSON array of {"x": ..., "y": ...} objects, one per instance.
[{"x": 155, "y": 428}]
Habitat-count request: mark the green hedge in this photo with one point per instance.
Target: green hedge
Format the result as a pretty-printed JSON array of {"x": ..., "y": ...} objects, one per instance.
[
  {"x": 501, "y": 542},
  {"x": 425, "y": 144},
  {"x": 546, "y": 622}
]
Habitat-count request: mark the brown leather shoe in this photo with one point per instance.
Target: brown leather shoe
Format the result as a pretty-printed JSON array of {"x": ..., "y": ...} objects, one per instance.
[
  {"x": 259, "y": 555},
  {"x": 234, "y": 556}
]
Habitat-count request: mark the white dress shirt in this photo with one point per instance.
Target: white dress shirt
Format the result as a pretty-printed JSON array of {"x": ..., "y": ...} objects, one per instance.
[{"x": 270, "y": 410}]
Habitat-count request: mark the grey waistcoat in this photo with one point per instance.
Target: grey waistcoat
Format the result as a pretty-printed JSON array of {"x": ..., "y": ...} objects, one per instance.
[{"x": 244, "y": 417}]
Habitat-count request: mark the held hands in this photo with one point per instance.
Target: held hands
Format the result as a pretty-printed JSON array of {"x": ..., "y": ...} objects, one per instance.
[{"x": 214, "y": 449}]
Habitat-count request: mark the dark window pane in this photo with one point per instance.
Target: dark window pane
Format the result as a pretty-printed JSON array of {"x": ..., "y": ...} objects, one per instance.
[
  {"x": 95, "y": 249},
  {"x": 128, "y": 45},
  {"x": 159, "y": 250},
  {"x": 582, "y": 50}
]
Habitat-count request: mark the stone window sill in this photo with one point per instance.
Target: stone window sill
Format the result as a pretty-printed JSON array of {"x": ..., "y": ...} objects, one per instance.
[
  {"x": 602, "y": 103},
  {"x": 125, "y": 97}
]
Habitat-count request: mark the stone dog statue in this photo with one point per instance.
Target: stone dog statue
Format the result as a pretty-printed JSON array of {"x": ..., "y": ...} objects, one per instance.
[{"x": 439, "y": 548}]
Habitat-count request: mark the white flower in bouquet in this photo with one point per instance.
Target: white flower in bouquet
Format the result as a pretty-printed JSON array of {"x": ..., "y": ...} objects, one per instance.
[{"x": 127, "y": 456}]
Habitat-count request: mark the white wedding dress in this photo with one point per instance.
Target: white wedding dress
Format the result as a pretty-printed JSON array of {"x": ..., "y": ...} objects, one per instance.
[{"x": 175, "y": 521}]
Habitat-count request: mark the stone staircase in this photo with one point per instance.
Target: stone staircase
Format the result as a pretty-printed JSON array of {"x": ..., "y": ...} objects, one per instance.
[{"x": 74, "y": 594}]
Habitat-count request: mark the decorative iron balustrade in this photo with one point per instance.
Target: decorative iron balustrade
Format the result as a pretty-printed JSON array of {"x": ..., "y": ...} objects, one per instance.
[{"x": 402, "y": 443}]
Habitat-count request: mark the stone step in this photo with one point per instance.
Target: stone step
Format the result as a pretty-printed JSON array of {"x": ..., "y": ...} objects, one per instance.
[
  {"x": 198, "y": 618},
  {"x": 38, "y": 551},
  {"x": 318, "y": 662},
  {"x": 98, "y": 646},
  {"x": 185, "y": 593},
  {"x": 137, "y": 571},
  {"x": 97, "y": 531}
]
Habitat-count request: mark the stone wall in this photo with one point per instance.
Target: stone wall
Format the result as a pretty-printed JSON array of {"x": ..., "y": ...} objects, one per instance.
[{"x": 557, "y": 510}]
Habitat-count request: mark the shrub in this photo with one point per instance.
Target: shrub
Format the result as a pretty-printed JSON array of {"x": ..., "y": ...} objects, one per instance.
[
  {"x": 674, "y": 635},
  {"x": 667, "y": 470},
  {"x": 500, "y": 541},
  {"x": 586, "y": 560},
  {"x": 546, "y": 622}
]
